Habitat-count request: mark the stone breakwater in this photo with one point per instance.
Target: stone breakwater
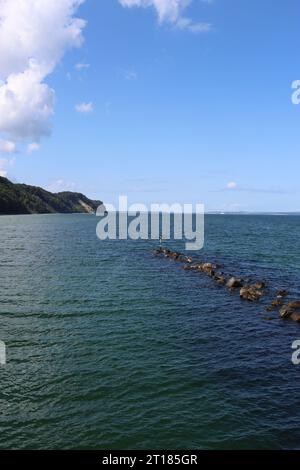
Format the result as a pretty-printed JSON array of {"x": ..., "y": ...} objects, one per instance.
[{"x": 248, "y": 292}]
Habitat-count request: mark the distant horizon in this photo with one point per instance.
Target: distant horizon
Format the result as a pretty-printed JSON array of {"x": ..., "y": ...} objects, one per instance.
[
  {"x": 209, "y": 212},
  {"x": 193, "y": 101}
]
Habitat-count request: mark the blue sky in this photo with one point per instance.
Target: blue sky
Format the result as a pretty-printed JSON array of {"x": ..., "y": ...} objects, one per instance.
[{"x": 174, "y": 115}]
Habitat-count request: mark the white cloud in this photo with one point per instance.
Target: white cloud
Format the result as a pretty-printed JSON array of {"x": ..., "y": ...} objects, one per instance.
[
  {"x": 250, "y": 189},
  {"x": 189, "y": 25},
  {"x": 33, "y": 147},
  {"x": 34, "y": 36},
  {"x": 82, "y": 66},
  {"x": 26, "y": 104},
  {"x": 84, "y": 108},
  {"x": 171, "y": 11},
  {"x": 232, "y": 185},
  {"x": 7, "y": 146}
]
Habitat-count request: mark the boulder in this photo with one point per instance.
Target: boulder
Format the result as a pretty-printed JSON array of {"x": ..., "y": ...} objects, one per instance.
[
  {"x": 234, "y": 283},
  {"x": 250, "y": 293},
  {"x": 295, "y": 317},
  {"x": 220, "y": 279},
  {"x": 289, "y": 309},
  {"x": 285, "y": 312},
  {"x": 206, "y": 267},
  {"x": 295, "y": 304},
  {"x": 282, "y": 293},
  {"x": 198, "y": 267}
]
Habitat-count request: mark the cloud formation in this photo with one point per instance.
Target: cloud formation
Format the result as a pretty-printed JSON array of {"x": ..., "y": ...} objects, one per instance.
[
  {"x": 33, "y": 147},
  {"x": 171, "y": 11},
  {"x": 8, "y": 147},
  {"x": 82, "y": 66},
  {"x": 235, "y": 187},
  {"x": 84, "y": 108},
  {"x": 34, "y": 36}
]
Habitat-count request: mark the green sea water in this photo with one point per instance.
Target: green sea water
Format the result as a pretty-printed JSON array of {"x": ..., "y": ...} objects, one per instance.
[{"x": 110, "y": 347}]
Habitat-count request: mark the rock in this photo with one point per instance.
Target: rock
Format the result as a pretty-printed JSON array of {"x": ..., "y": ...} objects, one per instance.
[
  {"x": 166, "y": 252},
  {"x": 285, "y": 312},
  {"x": 268, "y": 318},
  {"x": 211, "y": 273},
  {"x": 276, "y": 303},
  {"x": 289, "y": 309},
  {"x": 250, "y": 293},
  {"x": 295, "y": 304},
  {"x": 176, "y": 256},
  {"x": 197, "y": 267},
  {"x": 220, "y": 279},
  {"x": 207, "y": 267},
  {"x": 188, "y": 268},
  {"x": 295, "y": 317},
  {"x": 282, "y": 293},
  {"x": 234, "y": 283}
]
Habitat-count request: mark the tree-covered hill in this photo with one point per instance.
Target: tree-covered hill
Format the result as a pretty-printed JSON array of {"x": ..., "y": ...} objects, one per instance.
[{"x": 24, "y": 199}]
